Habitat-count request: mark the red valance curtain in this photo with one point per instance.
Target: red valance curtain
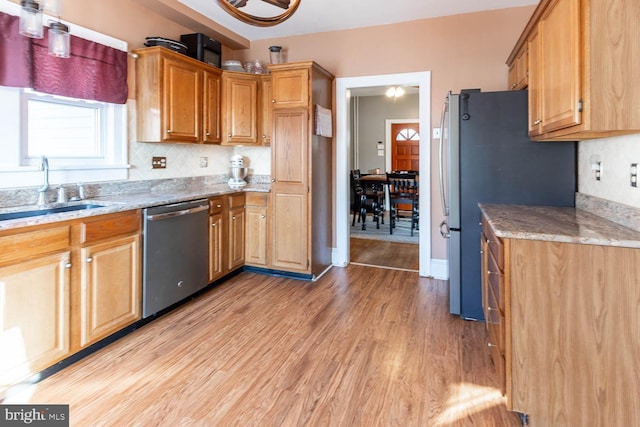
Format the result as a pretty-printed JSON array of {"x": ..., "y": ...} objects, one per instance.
[{"x": 93, "y": 71}]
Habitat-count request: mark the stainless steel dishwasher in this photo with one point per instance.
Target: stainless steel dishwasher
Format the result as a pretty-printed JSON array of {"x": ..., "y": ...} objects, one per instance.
[{"x": 175, "y": 253}]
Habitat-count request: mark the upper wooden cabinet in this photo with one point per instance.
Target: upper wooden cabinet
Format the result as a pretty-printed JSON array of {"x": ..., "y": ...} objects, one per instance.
[
  {"x": 519, "y": 70},
  {"x": 177, "y": 98},
  {"x": 266, "y": 111},
  {"x": 290, "y": 86},
  {"x": 240, "y": 108},
  {"x": 583, "y": 59}
]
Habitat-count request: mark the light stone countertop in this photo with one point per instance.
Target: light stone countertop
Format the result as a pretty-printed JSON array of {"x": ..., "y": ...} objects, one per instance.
[
  {"x": 557, "y": 224},
  {"x": 124, "y": 202}
]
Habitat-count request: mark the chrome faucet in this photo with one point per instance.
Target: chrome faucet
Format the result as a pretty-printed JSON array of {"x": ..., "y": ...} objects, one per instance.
[{"x": 42, "y": 191}]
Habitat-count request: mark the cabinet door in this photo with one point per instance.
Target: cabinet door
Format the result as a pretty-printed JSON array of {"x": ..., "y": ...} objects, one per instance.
[
  {"x": 560, "y": 66},
  {"x": 216, "y": 247},
  {"x": 110, "y": 287},
  {"x": 266, "y": 116},
  {"x": 256, "y": 243},
  {"x": 182, "y": 89},
  {"x": 534, "y": 84},
  {"x": 212, "y": 130},
  {"x": 240, "y": 100},
  {"x": 236, "y": 237},
  {"x": 289, "y": 147},
  {"x": 290, "y": 229},
  {"x": 34, "y": 315},
  {"x": 290, "y": 88}
]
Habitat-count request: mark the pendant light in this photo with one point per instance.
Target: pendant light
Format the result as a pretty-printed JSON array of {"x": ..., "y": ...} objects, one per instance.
[
  {"x": 31, "y": 19},
  {"x": 59, "y": 39}
]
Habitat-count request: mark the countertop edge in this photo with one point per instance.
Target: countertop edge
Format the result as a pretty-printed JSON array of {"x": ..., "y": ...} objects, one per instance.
[
  {"x": 578, "y": 226},
  {"x": 125, "y": 202}
]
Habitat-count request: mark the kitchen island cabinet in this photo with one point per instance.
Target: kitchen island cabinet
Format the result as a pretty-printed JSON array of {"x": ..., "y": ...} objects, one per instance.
[
  {"x": 562, "y": 314},
  {"x": 581, "y": 72}
]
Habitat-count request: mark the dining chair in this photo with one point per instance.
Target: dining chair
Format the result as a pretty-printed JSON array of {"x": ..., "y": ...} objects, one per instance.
[
  {"x": 367, "y": 198},
  {"x": 403, "y": 190}
]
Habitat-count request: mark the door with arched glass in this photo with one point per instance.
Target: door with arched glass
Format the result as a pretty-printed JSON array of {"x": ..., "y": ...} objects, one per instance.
[{"x": 405, "y": 146}]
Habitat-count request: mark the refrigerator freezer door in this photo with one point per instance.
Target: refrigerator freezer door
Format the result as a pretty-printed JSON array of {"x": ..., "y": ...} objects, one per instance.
[{"x": 452, "y": 143}]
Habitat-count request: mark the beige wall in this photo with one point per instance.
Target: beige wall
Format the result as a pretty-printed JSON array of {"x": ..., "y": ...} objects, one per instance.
[{"x": 462, "y": 51}]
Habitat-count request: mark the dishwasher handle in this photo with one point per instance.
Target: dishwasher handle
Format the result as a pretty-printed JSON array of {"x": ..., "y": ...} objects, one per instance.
[{"x": 159, "y": 217}]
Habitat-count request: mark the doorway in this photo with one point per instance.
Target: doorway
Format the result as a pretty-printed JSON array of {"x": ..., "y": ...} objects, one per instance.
[{"x": 343, "y": 159}]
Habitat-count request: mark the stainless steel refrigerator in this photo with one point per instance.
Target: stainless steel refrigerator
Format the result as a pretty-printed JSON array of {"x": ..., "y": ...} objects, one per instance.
[{"x": 486, "y": 155}]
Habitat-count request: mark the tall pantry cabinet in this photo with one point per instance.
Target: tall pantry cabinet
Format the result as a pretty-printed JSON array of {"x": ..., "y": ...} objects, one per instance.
[{"x": 301, "y": 170}]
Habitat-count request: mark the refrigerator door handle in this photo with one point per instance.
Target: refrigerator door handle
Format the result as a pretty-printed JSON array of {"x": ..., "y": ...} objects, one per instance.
[
  {"x": 444, "y": 229},
  {"x": 443, "y": 199}
]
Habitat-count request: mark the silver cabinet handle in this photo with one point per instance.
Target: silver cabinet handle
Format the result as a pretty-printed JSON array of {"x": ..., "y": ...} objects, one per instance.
[
  {"x": 89, "y": 259},
  {"x": 213, "y": 225},
  {"x": 263, "y": 216},
  {"x": 273, "y": 180},
  {"x": 233, "y": 218},
  {"x": 218, "y": 206},
  {"x": 491, "y": 345},
  {"x": 67, "y": 265},
  {"x": 537, "y": 122},
  {"x": 491, "y": 309},
  {"x": 168, "y": 130},
  {"x": 273, "y": 101},
  {"x": 229, "y": 135},
  {"x": 208, "y": 133}
]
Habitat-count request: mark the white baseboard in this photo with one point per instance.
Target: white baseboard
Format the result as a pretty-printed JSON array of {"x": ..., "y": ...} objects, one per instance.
[{"x": 440, "y": 269}]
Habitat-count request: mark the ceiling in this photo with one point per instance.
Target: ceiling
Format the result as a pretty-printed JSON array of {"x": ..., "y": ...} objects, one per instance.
[{"x": 315, "y": 16}]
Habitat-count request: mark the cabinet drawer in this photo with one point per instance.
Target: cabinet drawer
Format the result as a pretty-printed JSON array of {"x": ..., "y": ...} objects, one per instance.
[
  {"x": 256, "y": 199},
  {"x": 216, "y": 205},
  {"x": 236, "y": 200},
  {"x": 496, "y": 282},
  {"x": 25, "y": 245},
  {"x": 495, "y": 244},
  {"x": 110, "y": 226}
]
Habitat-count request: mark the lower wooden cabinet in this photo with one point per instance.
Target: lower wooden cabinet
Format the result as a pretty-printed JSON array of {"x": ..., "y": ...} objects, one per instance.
[
  {"x": 34, "y": 315},
  {"x": 255, "y": 250},
  {"x": 226, "y": 234},
  {"x": 65, "y": 286},
  {"x": 562, "y": 325},
  {"x": 237, "y": 221},
  {"x": 109, "y": 287}
]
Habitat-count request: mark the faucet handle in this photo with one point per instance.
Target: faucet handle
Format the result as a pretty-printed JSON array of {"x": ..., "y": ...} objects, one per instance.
[{"x": 62, "y": 195}]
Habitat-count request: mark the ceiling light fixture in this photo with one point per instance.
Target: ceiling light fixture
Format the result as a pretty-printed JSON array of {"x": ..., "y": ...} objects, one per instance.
[
  {"x": 395, "y": 92},
  {"x": 31, "y": 25},
  {"x": 264, "y": 19},
  {"x": 31, "y": 19}
]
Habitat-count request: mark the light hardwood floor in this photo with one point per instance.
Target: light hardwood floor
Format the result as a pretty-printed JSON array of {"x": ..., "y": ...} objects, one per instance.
[
  {"x": 385, "y": 254},
  {"x": 361, "y": 346}
]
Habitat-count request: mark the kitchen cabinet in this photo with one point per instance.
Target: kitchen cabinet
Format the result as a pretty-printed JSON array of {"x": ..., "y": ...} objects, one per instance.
[
  {"x": 265, "y": 112},
  {"x": 301, "y": 221},
  {"x": 582, "y": 70},
  {"x": 236, "y": 230},
  {"x": 226, "y": 234},
  {"x": 255, "y": 252},
  {"x": 519, "y": 70},
  {"x": 290, "y": 86},
  {"x": 177, "y": 98},
  {"x": 559, "y": 328},
  {"x": 534, "y": 87},
  {"x": 35, "y": 305},
  {"x": 110, "y": 276},
  {"x": 217, "y": 241},
  {"x": 240, "y": 108}
]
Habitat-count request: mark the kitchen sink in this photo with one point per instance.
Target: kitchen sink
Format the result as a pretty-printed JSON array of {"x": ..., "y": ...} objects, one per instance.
[{"x": 47, "y": 211}]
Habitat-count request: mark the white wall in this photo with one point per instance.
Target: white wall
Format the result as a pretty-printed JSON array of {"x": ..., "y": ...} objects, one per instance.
[{"x": 616, "y": 155}]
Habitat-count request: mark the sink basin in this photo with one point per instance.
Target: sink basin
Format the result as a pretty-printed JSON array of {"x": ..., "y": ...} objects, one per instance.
[{"x": 46, "y": 211}]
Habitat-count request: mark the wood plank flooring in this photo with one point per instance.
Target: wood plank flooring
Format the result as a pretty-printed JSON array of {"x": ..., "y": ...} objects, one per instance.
[
  {"x": 385, "y": 254},
  {"x": 361, "y": 346}
]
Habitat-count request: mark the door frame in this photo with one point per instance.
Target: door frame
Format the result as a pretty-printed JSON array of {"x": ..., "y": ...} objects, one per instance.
[
  {"x": 389, "y": 138},
  {"x": 340, "y": 256}
]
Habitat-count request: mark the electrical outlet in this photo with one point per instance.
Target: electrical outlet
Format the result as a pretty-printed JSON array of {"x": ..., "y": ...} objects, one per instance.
[
  {"x": 159, "y": 162},
  {"x": 204, "y": 162},
  {"x": 436, "y": 133},
  {"x": 633, "y": 176}
]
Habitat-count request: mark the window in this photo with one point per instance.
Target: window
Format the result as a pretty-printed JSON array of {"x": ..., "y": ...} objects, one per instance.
[{"x": 87, "y": 137}]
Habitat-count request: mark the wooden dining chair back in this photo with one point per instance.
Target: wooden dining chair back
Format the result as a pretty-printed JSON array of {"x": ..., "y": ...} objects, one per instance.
[
  {"x": 403, "y": 190},
  {"x": 367, "y": 199}
]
